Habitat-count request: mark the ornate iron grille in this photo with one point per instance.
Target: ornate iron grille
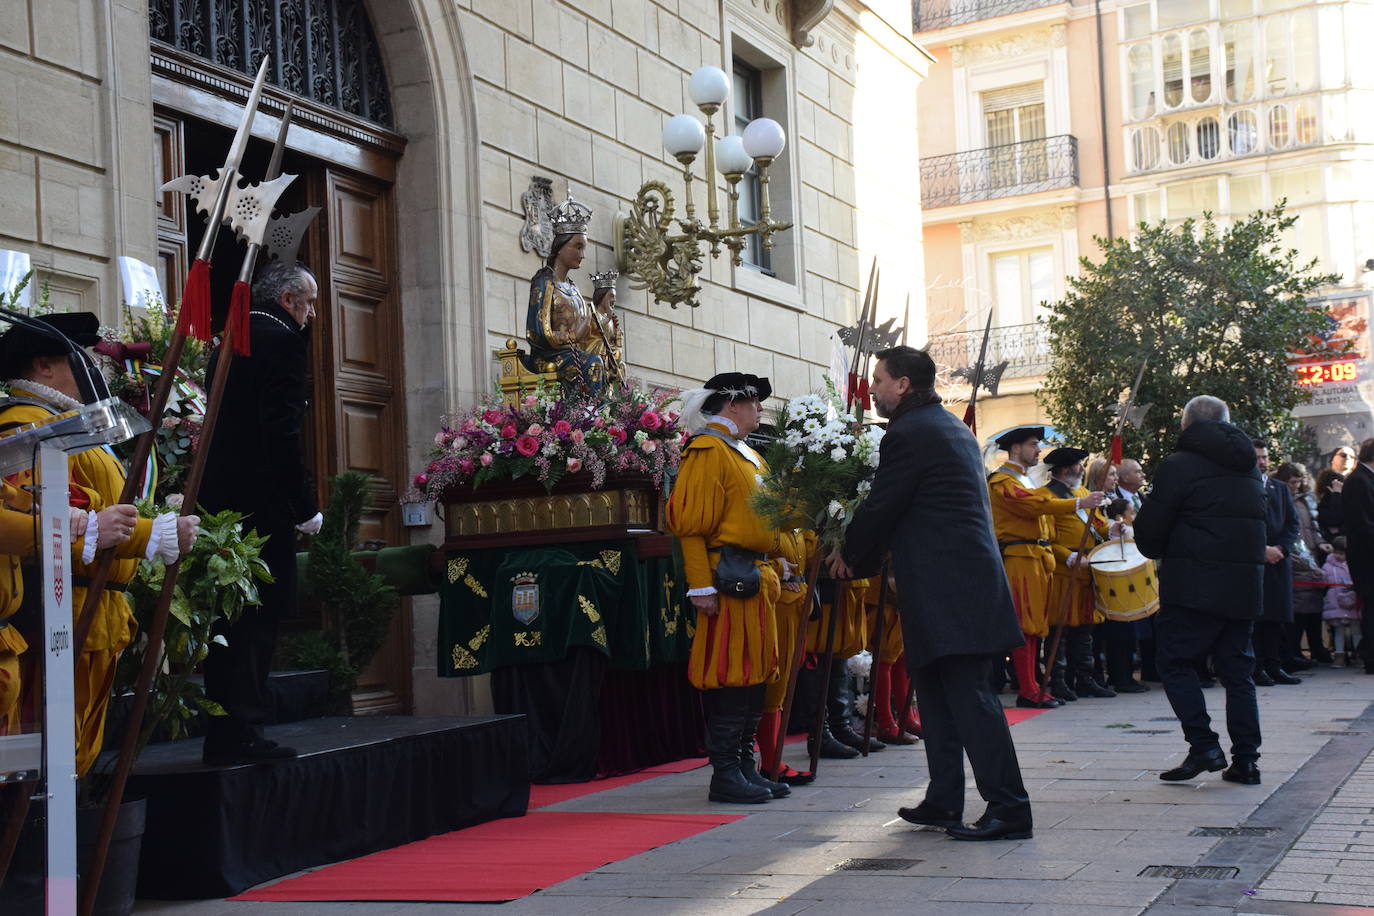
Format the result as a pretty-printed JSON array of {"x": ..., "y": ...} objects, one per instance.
[
  {"x": 1000, "y": 171},
  {"x": 323, "y": 50},
  {"x": 1025, "y": 347},
  {"x": 928, "y": 15}
]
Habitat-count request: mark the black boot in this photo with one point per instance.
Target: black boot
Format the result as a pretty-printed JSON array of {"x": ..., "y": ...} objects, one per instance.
[
  {"x": 831, "y": 748},
  {"x": 747, "y": 765},
  {"x": 725, "y": 711},
  {"x": 838, "y": 705}
]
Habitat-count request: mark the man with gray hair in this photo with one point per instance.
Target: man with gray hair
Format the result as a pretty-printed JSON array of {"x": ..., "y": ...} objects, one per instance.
[
  {"x": 256, "y": 466},
  {"x": 1204, "y": 520}
]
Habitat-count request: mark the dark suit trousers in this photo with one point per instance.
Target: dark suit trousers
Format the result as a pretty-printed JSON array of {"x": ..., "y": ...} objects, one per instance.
[
  {"x": 236, "y": 674},
  {"x": 1185, "y": 637},
  {"x": 1269, "y": 642},
  {"x": 1367, "y": 629},
  {"x": 961, "y": 715}
]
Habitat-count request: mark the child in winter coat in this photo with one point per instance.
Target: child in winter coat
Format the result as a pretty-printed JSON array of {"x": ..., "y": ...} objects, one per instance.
[{"x": 1341, "y": 610}]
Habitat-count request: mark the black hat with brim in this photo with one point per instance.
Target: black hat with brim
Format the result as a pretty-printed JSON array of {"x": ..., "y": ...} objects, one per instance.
[
  {"x": 1019, "y": 435},
  {"x": 1064, "y": 457},
  {"x": 739, "y": 386},
  {"x": 20, "y": 344}
]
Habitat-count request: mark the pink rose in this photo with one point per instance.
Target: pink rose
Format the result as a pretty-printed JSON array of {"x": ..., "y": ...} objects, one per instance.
[
  {"x": 466, "y": 466},
  {"x": 508, "y": 431},
  {"x": 574, "y": 465},
  {"x": 434, "y": 467},
  {"x": 531, "y": 400},
  {"x": 421, "y": 481},
  {"x": 577, "y": 436},
  {"x": 485, "y": 459},
  {"x": 648, "y": 445},
  {"x": 527, "y": 446},
  {"x": 618, "y": 435},
  {"x": 492, "y": 416},
  {"x": 534, "y": 429},
  {"x": 599, "y": 423},
  {"x": 562, "y": 427},
  {"x": 650, "y": 420}
]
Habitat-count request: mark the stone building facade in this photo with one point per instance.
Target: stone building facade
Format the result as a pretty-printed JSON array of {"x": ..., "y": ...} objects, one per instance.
[{"x": 420, "y": 124}]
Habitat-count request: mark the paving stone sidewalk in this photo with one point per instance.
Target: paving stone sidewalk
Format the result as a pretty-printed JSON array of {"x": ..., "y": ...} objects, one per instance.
[{"x": 1102, "y": 817}]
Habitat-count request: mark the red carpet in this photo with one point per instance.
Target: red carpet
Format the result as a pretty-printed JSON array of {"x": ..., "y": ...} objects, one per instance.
[
  {"x": 501, "y": 860},
  {"x": 543, "y": 796},
  {"x": 1015, "y": 715}
]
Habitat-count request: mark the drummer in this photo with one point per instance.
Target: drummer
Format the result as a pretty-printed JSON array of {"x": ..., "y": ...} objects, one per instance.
[{"x": 1071, "y": 593}]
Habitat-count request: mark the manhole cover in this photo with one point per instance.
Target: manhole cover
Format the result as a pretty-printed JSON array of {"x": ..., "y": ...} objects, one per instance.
[
  {"x": 1150, "y": 731},
  {"x": 875, "y": 864},
  {"x": 1210, "y": 872},
  {"x": 1233, "y": 831}
]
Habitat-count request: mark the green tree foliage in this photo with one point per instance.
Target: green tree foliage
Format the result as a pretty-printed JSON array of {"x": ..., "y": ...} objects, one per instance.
[
  {"x": 1215, "y": 310},
  {"x": 355, "y": 605}
]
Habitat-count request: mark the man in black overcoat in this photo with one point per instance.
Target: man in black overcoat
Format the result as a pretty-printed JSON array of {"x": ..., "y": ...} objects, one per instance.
[
  {"x": 929, "y": 507},
  {"x": 1204, "y": 520},
  {"x": 1280, "y": 532},
  {"x": 1357, "y": 507},
  {"x": 257, "y": 466}
]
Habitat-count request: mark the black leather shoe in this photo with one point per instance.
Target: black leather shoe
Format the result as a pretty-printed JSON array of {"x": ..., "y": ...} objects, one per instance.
[
  {"x": 1195, "y": 763},
  {"x": 1279, "y": 676},
  {"x": 927, "y": 815},
  {"x": 846, "y": 735},
  {"x": 729, "y": 785},
  {"x": 991, "y": 827},
  {"x": 1131, "y": 686},
  {"x": 832, "y": 749},
  {"x": 1061, "y": 691},
  {"x": 1263, "y": 680},
  {"x": 1242, "y": 771},
  {"x": 1028, "y": 703},
  {"x": 259, "y": 750},
  {"x": 1094, "y": 689}
]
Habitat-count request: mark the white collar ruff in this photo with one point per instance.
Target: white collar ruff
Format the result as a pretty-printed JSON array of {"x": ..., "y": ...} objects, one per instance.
[{"x": 42, "y": 392}]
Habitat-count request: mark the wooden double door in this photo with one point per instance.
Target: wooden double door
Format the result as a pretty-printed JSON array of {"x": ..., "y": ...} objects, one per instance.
[{"x": 356, "y": 414}]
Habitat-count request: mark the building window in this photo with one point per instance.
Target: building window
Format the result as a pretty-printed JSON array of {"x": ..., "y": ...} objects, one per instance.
[
  {"x": 1142, "y": 82},
  {"x": 1145, "y": 148},
  {"x": 1208, "y": 138},
  {"x": 1243, "y": 133},
  {"x": 1146, "y": 207},
  {"x": 748, "y": 97},
  {"x": 1173, "y": 70},
  {"x": 1193, "y": 199},
  {"x": 1278, "y": 127},
  {"x": 1200, "y": 64},
  {"x": 1178, "y": 143},
  {"x": 1305, "y": 118},
  {"x": 1239, "y": 44},
  {"x": 1022, "y": 282},
  {"x": 1014, "y": 117}
]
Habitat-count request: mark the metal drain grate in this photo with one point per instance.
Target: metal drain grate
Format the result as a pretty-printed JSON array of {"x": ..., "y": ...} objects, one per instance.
[
  {"x": 1150, "y": 731},
  {"x": 875, "y": 864},
  {"x": 1209, "y": 872},
  {"x": 1232, "y": 831}
]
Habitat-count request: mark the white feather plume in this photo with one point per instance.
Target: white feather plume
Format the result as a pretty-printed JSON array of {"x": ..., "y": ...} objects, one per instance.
[{"x": 692, "y": 417}]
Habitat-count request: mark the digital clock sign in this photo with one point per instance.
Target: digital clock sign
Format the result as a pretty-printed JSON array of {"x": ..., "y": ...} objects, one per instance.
[{"x": 1348, "y": 371}]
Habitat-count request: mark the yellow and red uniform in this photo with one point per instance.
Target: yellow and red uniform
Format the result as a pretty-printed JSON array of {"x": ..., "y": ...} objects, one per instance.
[
  {"x": 851, "y": 629},
  {"x": 712, "y": 506},
  {"x": 1081, "y": 609},
  {"x": 892, "y": 624},
  {"x": 16, "y": 540},
  {"x": 796, "y": 547},
  {"x": 1023, "y": 521},
  {"x": 98, "y": 475}
]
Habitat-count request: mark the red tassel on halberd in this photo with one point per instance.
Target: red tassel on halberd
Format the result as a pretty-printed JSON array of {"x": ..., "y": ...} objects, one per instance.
[
  {"x": 1117, "y": 450},
  {"x": 237, "y": 324},
  {"x": 194, "y": 320}
]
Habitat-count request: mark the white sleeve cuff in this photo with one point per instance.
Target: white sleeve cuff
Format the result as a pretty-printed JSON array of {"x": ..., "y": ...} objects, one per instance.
[
  {"x": 92, "y": 535},
  {"x": 163, "y": 544},
  {"x": 701, "y": 592}
]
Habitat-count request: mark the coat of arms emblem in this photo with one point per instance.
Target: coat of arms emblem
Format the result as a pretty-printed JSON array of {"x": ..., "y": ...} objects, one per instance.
[{"x": 524, "y": 597}]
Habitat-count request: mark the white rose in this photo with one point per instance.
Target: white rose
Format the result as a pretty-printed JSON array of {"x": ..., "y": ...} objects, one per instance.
[{"x": 838, "y": 454}]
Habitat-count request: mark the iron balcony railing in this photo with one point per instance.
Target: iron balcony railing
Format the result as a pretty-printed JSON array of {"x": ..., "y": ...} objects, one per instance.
[
  {"x": 1025, "y": 347},
  {"x": 928, "y": 15},
  {"x": 1000, "y": 171}
]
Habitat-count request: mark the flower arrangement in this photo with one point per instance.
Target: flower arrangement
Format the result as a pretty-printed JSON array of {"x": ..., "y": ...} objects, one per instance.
[
  {"x": 548, "y": 435},
  {"x": 821, "y": 467}
]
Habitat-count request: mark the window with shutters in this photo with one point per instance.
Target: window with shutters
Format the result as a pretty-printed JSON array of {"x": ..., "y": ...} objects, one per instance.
[{"x": 1014, "y": 118}]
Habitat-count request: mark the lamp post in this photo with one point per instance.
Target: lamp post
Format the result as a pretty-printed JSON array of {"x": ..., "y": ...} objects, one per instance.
[{"x": 649, "y": 253}]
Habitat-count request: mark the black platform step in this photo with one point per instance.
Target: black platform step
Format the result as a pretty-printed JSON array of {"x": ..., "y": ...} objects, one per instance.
[
  {"x": 359, "y": 785},
  {"x": 296, "y": 696}
]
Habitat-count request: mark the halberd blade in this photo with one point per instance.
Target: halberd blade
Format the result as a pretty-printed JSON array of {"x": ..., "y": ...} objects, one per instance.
[
  {"x": 285, "y": 233},
  {"x": 249, "y": 210}
]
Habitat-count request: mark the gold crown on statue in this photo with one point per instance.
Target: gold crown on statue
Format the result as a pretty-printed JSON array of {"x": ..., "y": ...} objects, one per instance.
[
  {"x": 605, "y": 280},
  {"x": 570, "y": 217}
]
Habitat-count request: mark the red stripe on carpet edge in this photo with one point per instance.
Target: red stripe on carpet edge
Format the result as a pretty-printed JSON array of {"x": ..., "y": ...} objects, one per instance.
[{"x": 497, "y": 861}]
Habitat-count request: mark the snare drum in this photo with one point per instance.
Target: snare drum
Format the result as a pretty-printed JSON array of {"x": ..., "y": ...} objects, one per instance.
[{"x": 1125, "y": 585}]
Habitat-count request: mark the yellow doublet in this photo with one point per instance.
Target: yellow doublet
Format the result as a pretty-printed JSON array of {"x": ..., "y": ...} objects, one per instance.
[
  {"x": 851, "y": 629},
  {"x": 1024, "y": 513},
  {"x": 16, "y": 540},
  {"x": 712, "y": 506},
  {"x": 797, "y": 548},
  {"x": 99, "y": 475},
  {"x": 1081, "y": 609},
  {"x": 892, "y": 624}
]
